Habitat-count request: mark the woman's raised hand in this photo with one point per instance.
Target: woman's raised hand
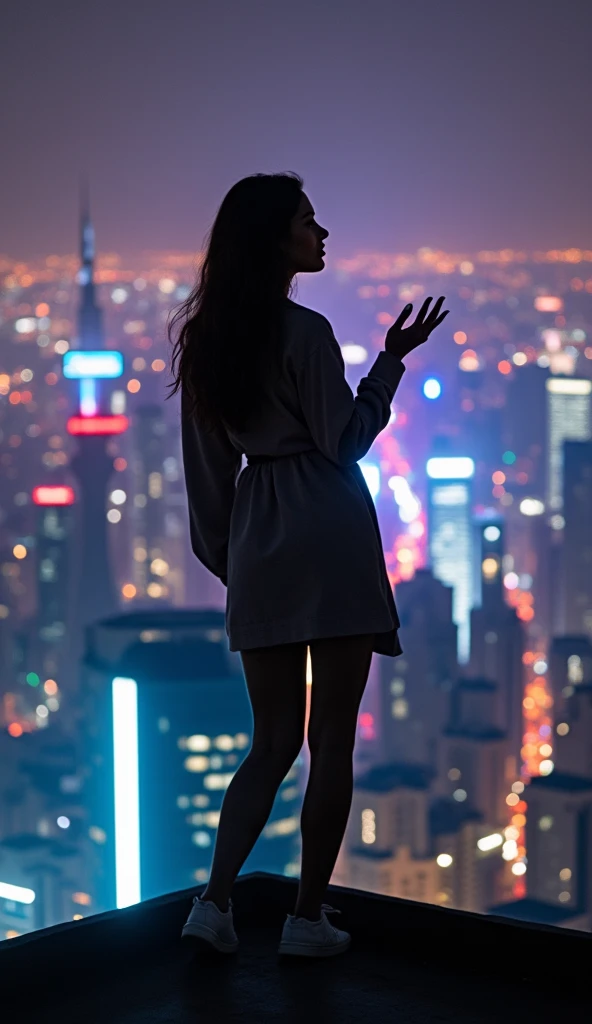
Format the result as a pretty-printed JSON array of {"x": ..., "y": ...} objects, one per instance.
[{"x": 400, "y": 341}]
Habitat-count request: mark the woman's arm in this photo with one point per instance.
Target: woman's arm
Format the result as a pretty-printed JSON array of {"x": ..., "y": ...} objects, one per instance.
[
  {"x": 343, "y": 427},
  {"x": 211, "y": 464}
]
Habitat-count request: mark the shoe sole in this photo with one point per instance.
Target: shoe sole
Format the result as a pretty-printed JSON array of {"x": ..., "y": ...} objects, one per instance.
[
  {"x": 300, "y": 949},
  {"x": 196, "y": 935}
]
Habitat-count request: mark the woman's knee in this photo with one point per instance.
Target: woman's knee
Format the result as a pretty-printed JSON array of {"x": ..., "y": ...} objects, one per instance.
[{"x": 277, "y": 752}]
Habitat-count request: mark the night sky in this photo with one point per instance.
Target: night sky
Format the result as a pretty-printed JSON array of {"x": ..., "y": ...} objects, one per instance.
[{"x": 460, "y": 124}]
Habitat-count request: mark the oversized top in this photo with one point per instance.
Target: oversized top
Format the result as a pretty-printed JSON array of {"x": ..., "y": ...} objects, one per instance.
[{"x": 296, "y": 539}]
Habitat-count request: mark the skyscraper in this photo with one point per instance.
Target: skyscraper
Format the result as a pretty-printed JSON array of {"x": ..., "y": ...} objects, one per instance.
[
  {"x": 415, "y": 688},
  {"x": 569, "y": 418},
  {"x": 169, "y": 722},
  {"x": 577, "y": 538},
  {"x": 476, "y": 765},
  {"x": 450, "y": 537},
  {"x": 497, "y": 641},
  {"x": 55, "y": 541},
  {"x": 92, "y": 367},
  {"x": 151, "y": 559}
]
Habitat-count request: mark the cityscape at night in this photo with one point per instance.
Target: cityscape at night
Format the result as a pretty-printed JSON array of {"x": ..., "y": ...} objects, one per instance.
[
  {"x": 472, "y": 761},
  {"x": 444, "y": 150}
]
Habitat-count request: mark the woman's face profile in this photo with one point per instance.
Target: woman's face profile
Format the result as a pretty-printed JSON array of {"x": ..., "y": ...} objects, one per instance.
[{"x": 304, "y": 247}]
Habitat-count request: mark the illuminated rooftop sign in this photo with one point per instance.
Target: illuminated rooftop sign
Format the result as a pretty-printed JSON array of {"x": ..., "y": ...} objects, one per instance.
[
  {"x": 450, "y": 468},
  {"x": 78, "y": 364},
  {"x": 569, "y": 386},
  {"x": 56, "y": 495},
  {"x": 97, "y": 425}
]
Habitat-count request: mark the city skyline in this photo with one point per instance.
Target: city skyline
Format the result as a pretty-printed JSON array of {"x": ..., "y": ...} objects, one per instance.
[{"x": 443, "y": 146}]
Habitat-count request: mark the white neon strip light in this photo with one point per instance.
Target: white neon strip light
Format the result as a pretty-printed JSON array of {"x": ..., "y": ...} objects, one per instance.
[
  {"x": 450, "y": 468},
  {"x": 126, "y": 791},
  {"x": 371, "y": 476},
  {"x": 17, "y": 893},
  {"x": 568, "y": 386},
  {"x": 88, "y": 397}
]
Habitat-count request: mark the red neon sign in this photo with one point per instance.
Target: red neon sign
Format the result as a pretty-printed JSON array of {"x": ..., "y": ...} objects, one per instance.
[
  {"x": 97, "y": 424},
  {"x": 60, "y": 495}
]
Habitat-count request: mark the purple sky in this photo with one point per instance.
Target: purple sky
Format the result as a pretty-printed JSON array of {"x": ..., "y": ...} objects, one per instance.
[{"x": 460, "y": 124}]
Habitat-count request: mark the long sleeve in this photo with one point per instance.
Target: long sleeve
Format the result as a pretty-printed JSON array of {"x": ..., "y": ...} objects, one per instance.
[
  {"x": 211, "y": 464},
  {"x": 344, "y": 427}
]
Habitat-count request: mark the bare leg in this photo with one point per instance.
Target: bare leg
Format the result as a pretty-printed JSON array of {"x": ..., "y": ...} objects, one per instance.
[
  {"x": 276, "y": 682},
  {"x": 340, "y": 668}
]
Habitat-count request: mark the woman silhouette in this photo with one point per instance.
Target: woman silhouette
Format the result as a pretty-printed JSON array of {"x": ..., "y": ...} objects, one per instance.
[{"x": 294, "y": 537}]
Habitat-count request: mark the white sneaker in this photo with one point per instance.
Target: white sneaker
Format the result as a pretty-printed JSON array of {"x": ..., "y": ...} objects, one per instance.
[
  {"x": 208, "y": 923},
  {"x": 301, "y": 937}
]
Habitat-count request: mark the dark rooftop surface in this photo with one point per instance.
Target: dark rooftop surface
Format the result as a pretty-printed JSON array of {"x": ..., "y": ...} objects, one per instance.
[
  {"x": 409, "y": 963},
  {"x": 383, "y": 778},
  {"x": 559, "y": 780},
  {"x": 535, "y": 911}
]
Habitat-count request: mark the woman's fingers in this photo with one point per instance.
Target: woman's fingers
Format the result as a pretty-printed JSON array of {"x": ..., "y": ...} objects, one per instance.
[
  {"x": 436, "y": 309},
  {"x": 440, "y": 318},
  {"x": 423, "y": 310},
  {"x": 402, "y": 317}
]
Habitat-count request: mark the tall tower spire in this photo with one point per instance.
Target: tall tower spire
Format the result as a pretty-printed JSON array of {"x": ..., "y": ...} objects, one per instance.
[
  {"x": 90, "y": 316},
  {"x": 93, "y": 367}
]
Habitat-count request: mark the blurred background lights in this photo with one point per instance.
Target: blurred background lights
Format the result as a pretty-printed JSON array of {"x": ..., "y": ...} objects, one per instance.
[
  {"x": 444, "y": 860},
  {"x": 63, "y": 821},
  {"x": 532, "y": 507},
  {"x": 491, "y": 533},
  {"x": 432, "y": 388},
  {"x": 353, "y": 354},
  {"x": 371, "y": 476}
]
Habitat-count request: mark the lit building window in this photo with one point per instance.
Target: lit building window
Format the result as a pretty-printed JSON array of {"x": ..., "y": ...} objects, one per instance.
[
  {"x": 224, "y": 742},
  {"x": 218, "y": 781},
  {"x": 202, "y": 838},
  {"x": 196, "y": 763},
  {"x": 198, "y": 743},
  {"x": 155, "y": 485},
  {"x": 400, "y": 708},
  {"x": 282, "y": 827},
  {"x": 368, "y": 826},
  {"x": 82, "y": 898}
]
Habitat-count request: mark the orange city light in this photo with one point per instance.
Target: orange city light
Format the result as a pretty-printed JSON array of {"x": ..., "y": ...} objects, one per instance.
[
  {"x": 55, "y": 495},
  {"x": 97, "y": 425}
]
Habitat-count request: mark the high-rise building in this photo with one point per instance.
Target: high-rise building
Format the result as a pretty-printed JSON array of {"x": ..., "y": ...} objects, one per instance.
[
  {"x": 497, "y": 641},
  {"x": 55, "y": 550},
  {"x": 468, "y": 855},
  {"x": 577, "y": 538},
  {"x": 414, "y": 690},
  {"x": 525, "y": 414},
  {"x": 569, "y": 418},
  {"x": 476, "y": 763},
  {"x": 93, "y": 368},
  {"x": 386, "y": 847},
  {"x": 169, "y": 722},
  {"x": 155, "y": 529},
  {"x": 559, "y": 825},
  {"x": 451, "y": 546},
  {"x": 570, "y": 666}
]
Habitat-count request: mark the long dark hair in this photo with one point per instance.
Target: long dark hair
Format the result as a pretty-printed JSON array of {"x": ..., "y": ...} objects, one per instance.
[{"x": 227, "y": 350}]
